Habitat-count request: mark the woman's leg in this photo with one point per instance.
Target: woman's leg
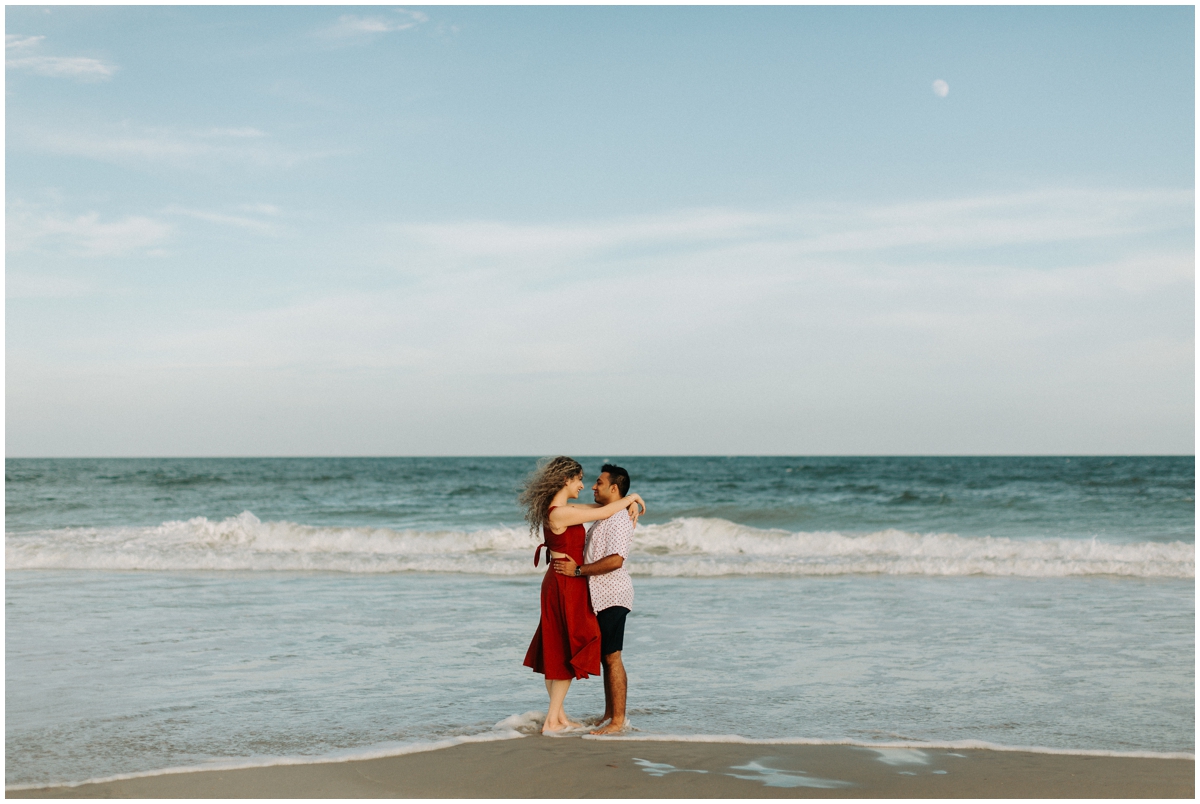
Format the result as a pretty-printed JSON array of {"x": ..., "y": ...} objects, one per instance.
[
  {"x": 556, "y": 718},
  {"x": 550, "y": 724}
]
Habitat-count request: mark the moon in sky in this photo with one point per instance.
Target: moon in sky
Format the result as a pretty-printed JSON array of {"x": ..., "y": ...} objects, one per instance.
[{"x": 941, "y": 88}]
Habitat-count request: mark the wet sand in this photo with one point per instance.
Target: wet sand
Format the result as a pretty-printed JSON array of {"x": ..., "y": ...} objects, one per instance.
[{"x": 570, "y": 767}]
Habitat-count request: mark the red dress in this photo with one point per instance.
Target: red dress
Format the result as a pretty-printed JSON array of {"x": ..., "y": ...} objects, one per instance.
[{"x": 567, "y": 641}]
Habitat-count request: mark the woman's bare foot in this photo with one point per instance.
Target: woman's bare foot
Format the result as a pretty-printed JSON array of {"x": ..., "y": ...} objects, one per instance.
[
  {"x": 554, "y": 725},
  {"x": 558, "y": 724},
  {"x": 611, "y": 728}
]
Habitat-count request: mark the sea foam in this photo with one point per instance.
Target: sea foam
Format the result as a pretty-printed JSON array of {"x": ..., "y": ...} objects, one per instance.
[{"x": 682, "y": 547}]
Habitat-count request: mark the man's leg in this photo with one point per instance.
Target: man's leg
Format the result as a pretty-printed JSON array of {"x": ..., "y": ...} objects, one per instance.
[
  {"x": 615, "y": 687},
  {"x": 608, "y": 701}
]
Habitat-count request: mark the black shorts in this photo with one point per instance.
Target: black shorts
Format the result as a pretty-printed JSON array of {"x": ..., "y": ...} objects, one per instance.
[{"x": 612, "y": 629}]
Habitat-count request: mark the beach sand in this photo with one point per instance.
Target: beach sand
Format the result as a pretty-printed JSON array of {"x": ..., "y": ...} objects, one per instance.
[{"x": 570, "y": 767}]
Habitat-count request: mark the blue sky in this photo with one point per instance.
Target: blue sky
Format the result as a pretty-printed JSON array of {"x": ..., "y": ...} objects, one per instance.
[{"x": 440, "y": 230}]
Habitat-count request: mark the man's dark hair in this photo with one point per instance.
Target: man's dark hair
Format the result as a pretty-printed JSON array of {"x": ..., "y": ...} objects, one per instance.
[{"x": 617, "y": 475}]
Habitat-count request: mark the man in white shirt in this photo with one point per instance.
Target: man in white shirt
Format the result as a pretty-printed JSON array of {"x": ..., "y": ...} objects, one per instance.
[{"x": 610, "y": 588}]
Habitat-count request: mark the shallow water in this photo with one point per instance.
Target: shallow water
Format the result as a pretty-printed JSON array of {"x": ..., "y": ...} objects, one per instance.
[
  {"x": 151, "y": 622},
  {"x": 118, "y": 672}
]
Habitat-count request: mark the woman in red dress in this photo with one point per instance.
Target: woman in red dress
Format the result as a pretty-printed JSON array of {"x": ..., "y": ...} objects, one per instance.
[{"x": 566, "y": 645}]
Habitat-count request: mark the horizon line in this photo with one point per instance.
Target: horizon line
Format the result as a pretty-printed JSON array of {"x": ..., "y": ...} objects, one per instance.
[{"x": 596, "y": 455}]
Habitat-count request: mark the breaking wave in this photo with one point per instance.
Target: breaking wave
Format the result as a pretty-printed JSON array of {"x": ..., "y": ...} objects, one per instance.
[{"x": 682, "y": 547}]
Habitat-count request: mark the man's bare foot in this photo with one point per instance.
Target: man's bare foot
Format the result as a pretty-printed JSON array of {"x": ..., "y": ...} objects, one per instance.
[{"x": 612, "y": 728}]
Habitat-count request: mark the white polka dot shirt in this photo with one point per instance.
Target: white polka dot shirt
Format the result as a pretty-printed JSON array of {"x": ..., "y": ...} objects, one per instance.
[{"x": 610, "y": 537}]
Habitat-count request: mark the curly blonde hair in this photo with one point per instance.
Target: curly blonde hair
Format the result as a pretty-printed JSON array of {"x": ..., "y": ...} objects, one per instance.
[{"x": 542, "y": 484}]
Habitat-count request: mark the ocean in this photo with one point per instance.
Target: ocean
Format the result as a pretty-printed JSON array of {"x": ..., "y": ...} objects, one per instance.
[{"x": 178, "y": 613}]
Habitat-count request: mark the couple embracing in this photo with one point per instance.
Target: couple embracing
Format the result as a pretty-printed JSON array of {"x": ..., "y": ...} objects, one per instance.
[{"x": 587, "y": 593}]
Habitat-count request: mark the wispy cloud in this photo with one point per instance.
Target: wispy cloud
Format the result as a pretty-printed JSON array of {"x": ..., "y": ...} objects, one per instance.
[
  {"x": 19, "y": 42},
  {"x": 135, "y": 146},
  {"x": 955, "y": 224},
  {"x": 729, "y": 288},
  {"x": 29, "y": 227},
  {"x": 353, "y": 27},
  {"x": 21, "y": 54},
  {"x": 496, "y": 238},
  {"x": 821, "y": 312},
  {"x": 252, "y": 222}
]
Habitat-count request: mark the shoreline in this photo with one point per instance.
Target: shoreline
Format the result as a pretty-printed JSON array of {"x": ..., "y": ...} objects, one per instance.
[{"x": 650, "y": 767}]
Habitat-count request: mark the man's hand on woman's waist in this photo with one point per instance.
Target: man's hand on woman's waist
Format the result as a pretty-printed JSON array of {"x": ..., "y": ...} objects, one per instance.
[{"x": 566, "y": 566}]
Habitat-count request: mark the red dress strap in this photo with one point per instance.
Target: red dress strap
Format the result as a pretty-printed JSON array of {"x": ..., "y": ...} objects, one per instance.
[{"x": 537, "y": 554}]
